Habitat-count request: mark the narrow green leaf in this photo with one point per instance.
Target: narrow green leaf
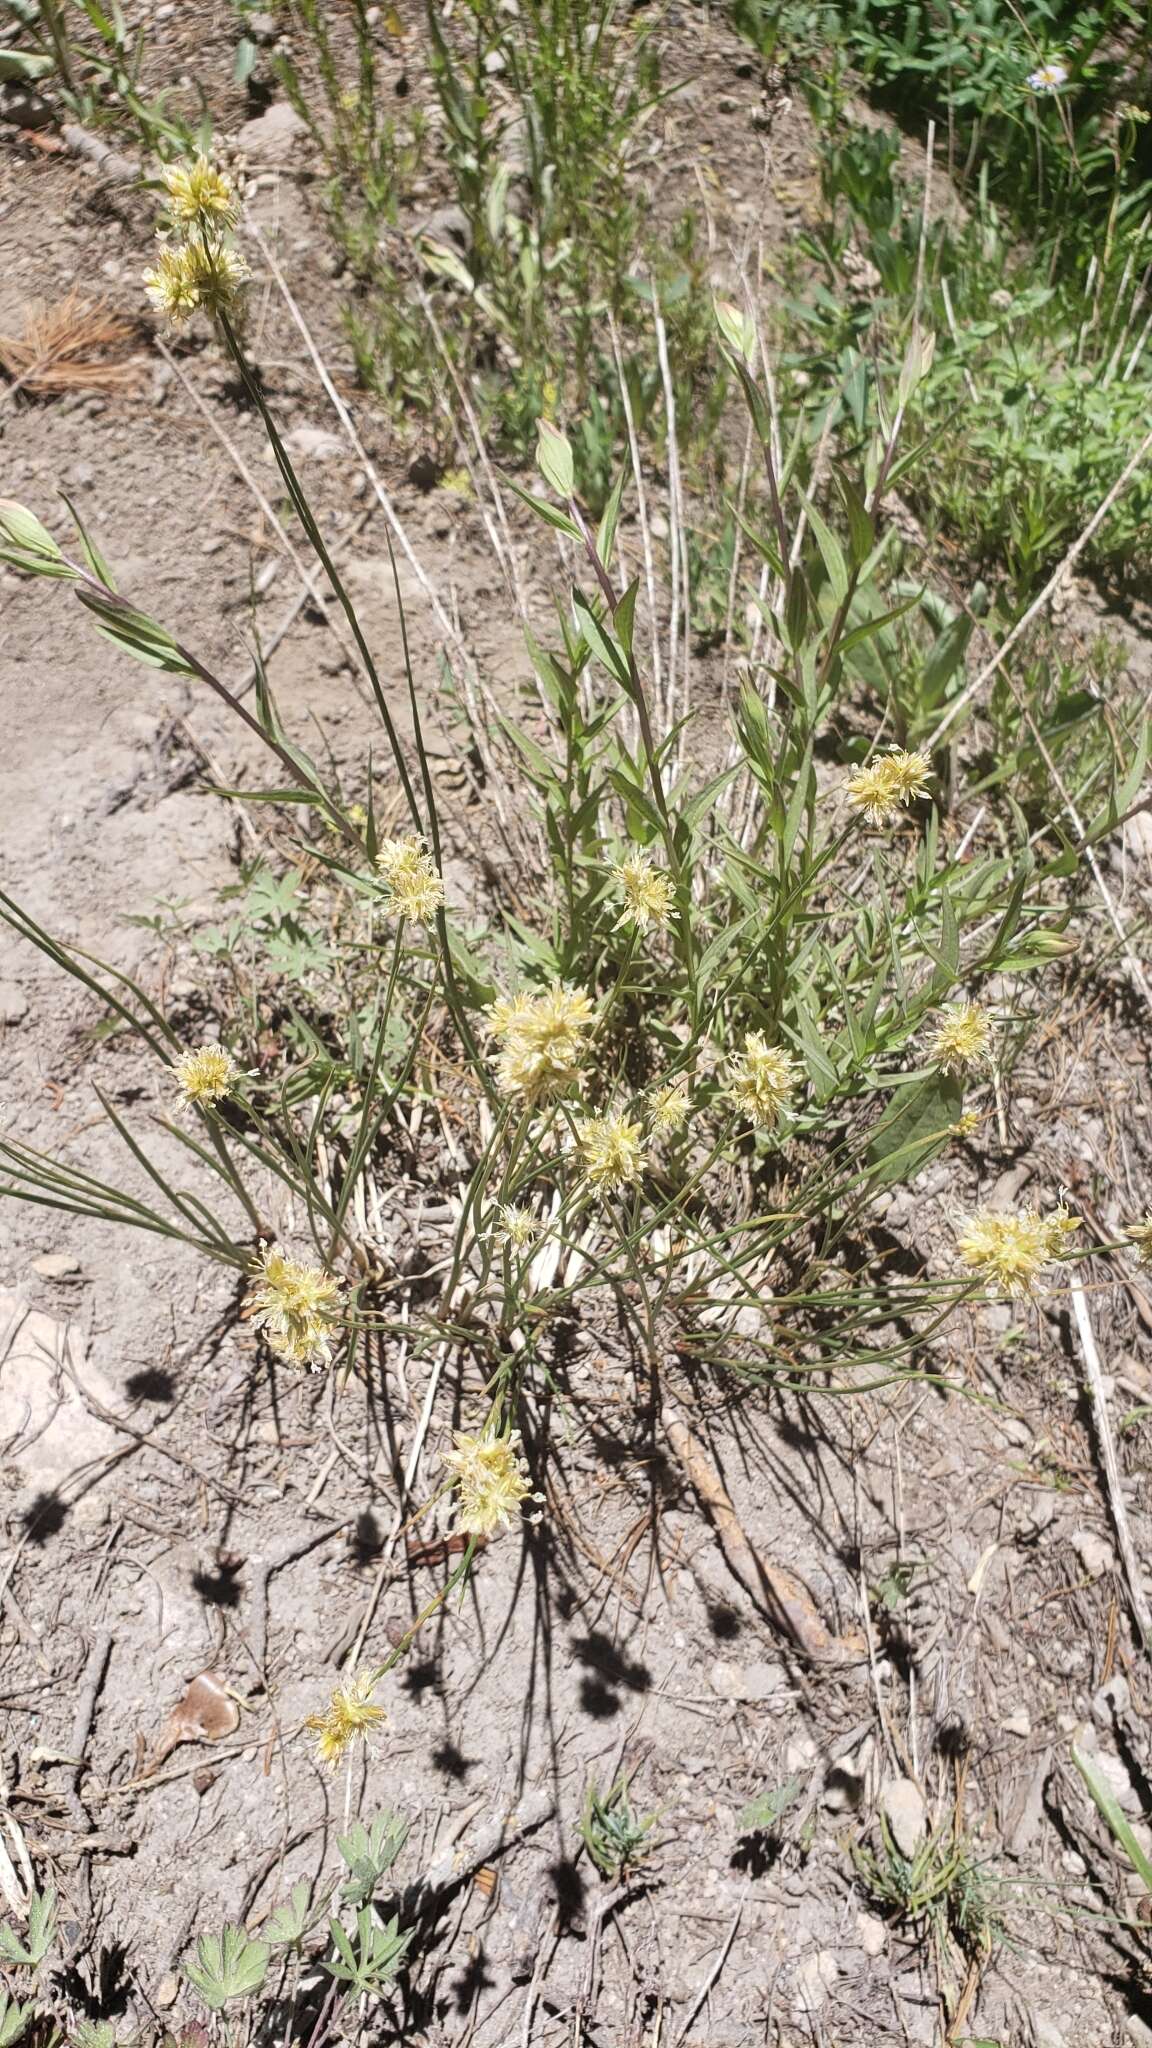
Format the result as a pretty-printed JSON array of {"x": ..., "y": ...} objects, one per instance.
[
  {"x": 1109, "y": 1808},
  {"x": 550, "y": 514}
]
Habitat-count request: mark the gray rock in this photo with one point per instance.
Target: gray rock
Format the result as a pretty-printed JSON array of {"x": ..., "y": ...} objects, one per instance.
[
  {"x": 273, "y": 136},
  {"x": 316, "y": 442},
  {"x": 1113, "y": 1699},
  {"x": 871, "y": 1933},
  {"x": 449, "y": 224},
  {"x": 56, "y": 1266},
  {"x": 902, "y": 1804},
  {"x": 13, "y": 1003},
  {"x": 1096, "y": 1556},
  {"x": 814, "y": 1979}
]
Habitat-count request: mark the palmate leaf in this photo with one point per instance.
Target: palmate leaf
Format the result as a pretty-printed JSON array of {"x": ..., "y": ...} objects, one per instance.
[
  {"x": 762, "y": 1815},
  {"x": 14, "y": 2019},
  {"x": 227, "y": 1966},
  {"x": 369, "y": 1854},
  {"x": 30, "y": 1952},
  {"x": 289, "y": 1922},
  {"x": 375, "y": 1957}
]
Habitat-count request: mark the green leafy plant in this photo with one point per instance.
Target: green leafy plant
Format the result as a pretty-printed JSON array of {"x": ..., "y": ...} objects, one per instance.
[
  {"x": 762, "y": 1815},
  {"x": 368, "y": 1960},
  {"x": 29, "y": 1952},
  {"x": 942, "y": 1886},
  {"x": 228, "y": 1967},
  {"x": 14, "y": 2019},
  {"x": 369, "y": 1853},
  {"x": 616, "y": 1837}
]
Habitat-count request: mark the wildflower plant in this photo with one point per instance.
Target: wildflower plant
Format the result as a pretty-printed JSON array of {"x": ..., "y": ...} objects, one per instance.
[{"x": 675, "y": 1076}]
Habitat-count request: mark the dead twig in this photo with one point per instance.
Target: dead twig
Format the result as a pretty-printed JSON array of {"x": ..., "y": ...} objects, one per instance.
[
  {"x": 1094, "y": 1373},
  {"x": 82, "y": 1720},
  {"x": 710, "y": 1979},
  {"x": 785, "y": 1600}
]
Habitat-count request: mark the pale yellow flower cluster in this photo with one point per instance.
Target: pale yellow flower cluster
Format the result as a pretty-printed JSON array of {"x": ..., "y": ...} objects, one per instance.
[
  {"x": 1140, "y": 1235},
  {"x": 206, "y": 1075},
  {"x": 543, "y": 1038},
  {"x": 413, "y": 885},
  {"x": 198, "y": 266},
  {"x": 962, "y": 1043},
  {"x": 892, "y": 780},
  {"x": 1009, "y": 1252},
  {"x": 349, "y": 1716},
  {"x": 670, "y": 1107},
  {"x": 611, "y": 1149},
  {"x": 296, "y": 1306},
  {"x": 648, "y": 894},
  {"x": 762, "y": 1080},
  {"x": 491, "y": 1481},
  {"x": 518, "y": 1227},
  {"x": 198, "y": 194}
]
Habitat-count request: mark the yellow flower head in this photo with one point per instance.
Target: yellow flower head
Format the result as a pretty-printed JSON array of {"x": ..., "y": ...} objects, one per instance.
[
  {"x": 518, "y": 1227},
  {"x": 202, "y": 273},
  {"x": 611, "y": 1149},
  {"x": 967, "y": 1124},
  {"x": 296, "y": 1306},
  {"x": 1008, "y": 1252},
  {"x": 543, "y": 1038},
  {"x": 349, "y": 1715},
  {"x": 648, "y": 894},
  {"x": 491, "y": 1481},
  {"x": 890, "y": 781},
  {"x": 413, "y": 885},
  {"x": 1140, "y": 1235},
  {"x": 962, "y": 1043},
  {"x": 762, "y": 1080},
  {"x": 206, "y": 1075},
  {"x": 199, "y": 195},
  {"x": 172, "y": 286},
  {"x": 670, "y": 1106}
]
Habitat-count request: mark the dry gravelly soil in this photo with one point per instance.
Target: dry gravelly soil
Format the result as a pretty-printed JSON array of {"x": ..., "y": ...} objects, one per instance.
[{"x": 154, "y": 1467}]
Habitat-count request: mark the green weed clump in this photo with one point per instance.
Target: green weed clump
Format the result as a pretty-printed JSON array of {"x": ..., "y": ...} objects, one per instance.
[
  {"x": 344, "y": 1932},
  {"x": 1039, "y": 390},
  {"x": 533, "y": 266}
]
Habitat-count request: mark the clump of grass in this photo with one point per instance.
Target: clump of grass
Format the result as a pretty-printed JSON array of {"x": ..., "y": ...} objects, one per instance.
[
  {"x": 616, "y": 1837},
  {"x": 513, "y": 298},
  {"x": 943, "y": 1888}
]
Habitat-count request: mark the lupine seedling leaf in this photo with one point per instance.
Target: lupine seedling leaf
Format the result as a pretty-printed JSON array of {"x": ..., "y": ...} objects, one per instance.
[
  {"x": 13, "y": 2019},
  {"x": 290, "y": 1921},
  {"x": 370, "y": 1853},
  {"x": 31, "y": 1952},
  {"x": 227, "y": 1966}
]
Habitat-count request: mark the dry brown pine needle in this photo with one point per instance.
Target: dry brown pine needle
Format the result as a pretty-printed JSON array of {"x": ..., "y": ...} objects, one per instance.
[{"x": 70, "y": 346}]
